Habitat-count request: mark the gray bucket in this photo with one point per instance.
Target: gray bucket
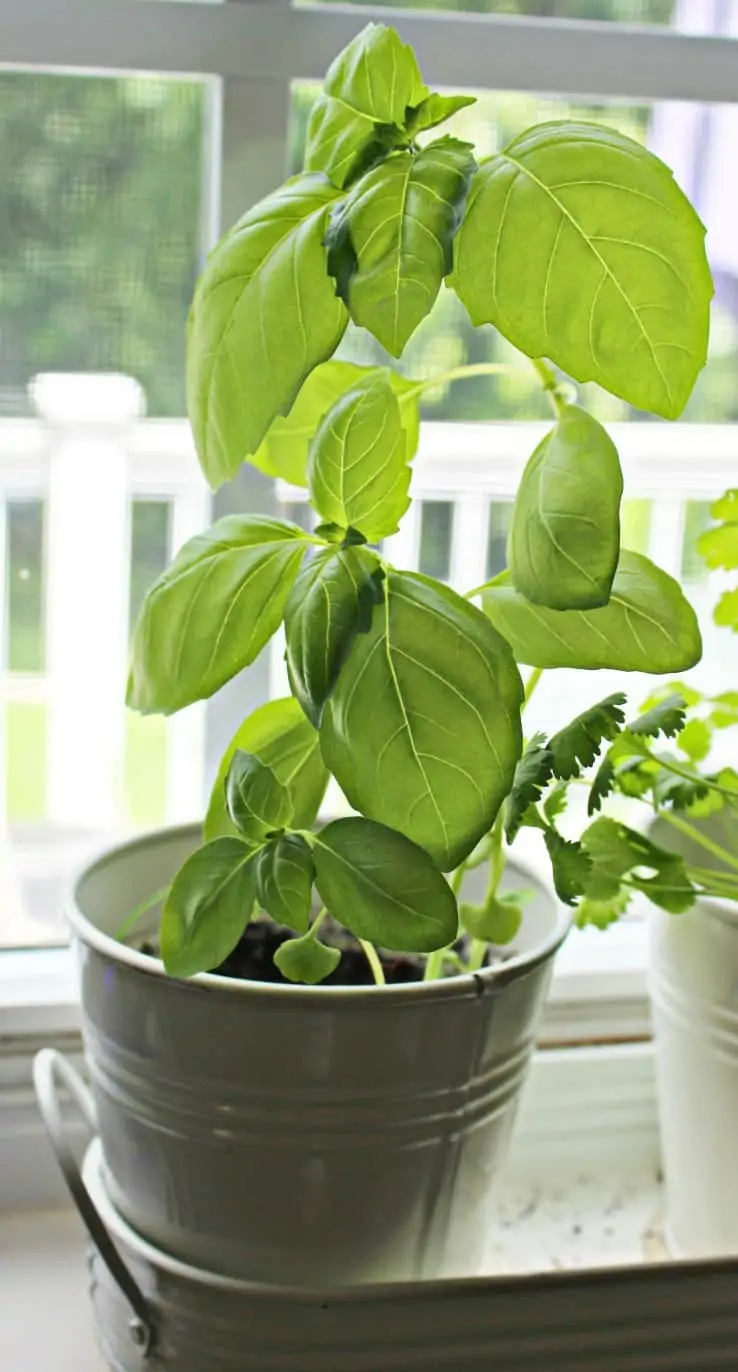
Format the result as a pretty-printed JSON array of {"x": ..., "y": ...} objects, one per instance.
[
  {"x": 683, "y": 1317},
  {"x": 295, "y": 1134}
]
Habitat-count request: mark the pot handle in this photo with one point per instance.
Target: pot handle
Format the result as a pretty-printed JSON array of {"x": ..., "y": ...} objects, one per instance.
[{"x": 49, "y": 1069}]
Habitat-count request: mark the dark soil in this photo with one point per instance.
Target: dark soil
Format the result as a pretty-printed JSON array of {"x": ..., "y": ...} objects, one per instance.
[{"x": 253, "y": 957}]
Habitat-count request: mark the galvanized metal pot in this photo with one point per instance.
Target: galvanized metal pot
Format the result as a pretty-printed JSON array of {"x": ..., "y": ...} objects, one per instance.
[
  {"x": 301, "y": 1135},
  {"x": 693, "y": 979}
]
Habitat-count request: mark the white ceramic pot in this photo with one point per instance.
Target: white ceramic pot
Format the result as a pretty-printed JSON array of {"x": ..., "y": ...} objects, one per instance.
[
  {"x": 693, "y": 979},
  {"x": 302, "y": 1134}
]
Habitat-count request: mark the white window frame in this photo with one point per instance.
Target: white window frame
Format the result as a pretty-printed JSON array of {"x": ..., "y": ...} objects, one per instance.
[{"x": 253, "y": 50}]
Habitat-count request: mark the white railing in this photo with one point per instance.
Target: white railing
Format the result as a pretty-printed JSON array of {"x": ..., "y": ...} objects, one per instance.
[{"x": 90, "y": 452}]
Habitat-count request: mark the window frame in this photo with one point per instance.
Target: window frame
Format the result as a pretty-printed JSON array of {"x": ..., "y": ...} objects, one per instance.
[{"x": 252, "y": 50}]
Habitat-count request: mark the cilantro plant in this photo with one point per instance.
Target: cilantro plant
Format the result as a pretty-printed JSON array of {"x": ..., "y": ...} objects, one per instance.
[{"x": 578, "y": 246}]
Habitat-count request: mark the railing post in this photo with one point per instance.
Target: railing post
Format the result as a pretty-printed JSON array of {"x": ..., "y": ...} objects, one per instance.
[{"x": 87, "y": 597}]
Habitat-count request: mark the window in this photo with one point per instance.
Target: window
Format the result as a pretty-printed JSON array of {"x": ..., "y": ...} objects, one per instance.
[{"x": 110, "y": 194}]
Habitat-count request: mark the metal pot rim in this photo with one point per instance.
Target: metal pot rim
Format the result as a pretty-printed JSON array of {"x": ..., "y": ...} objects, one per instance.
[{"x": 472, "y": 983}]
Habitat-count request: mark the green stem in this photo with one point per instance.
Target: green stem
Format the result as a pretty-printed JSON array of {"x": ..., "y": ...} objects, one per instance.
[
  {"x": 531, "y": 683},
  {"x": 372, "y": 957},
  {"x": 319, "y": 918},
  {"x": 460, "y": 374},
  {"x": 549, "y": 383},
  {"x": 704, "y": 842},
  {"x": 131, "y": 920},
  {"x": 434, "y": 964},
  {"x": 496, "y": 868}
]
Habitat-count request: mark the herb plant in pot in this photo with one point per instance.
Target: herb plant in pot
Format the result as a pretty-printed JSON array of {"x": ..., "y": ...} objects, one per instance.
[{"x": 317, "y": 1077}]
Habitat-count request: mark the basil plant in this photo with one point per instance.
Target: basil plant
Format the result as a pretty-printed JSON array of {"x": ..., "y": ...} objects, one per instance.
[{"x": 578, "y": 246}]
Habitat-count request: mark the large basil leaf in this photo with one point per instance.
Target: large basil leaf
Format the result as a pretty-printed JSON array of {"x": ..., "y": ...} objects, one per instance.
[
  {"x": 564, "y": 539},
  {"x": 579, "y": 246},
  {"x": 284, "y": 451},
  {"x": 208, "y": 907},
  {"x": 279, "y": 734},
  {"x": 358, "y": 472},
  {"x": 257, "y": 802},
  {"x": 361, "y": 113},
  {"x": 389, "y": 242},
  {"x": 331, "y": 601},
  {"x": 647, "y": 626},
  {"x": 264, "y": 314},
  {"x": 422, "y": 730},
  {"x": 212, "y": 611},
  {"x": 383, "y": 888},
  {"x": 284, "y": 881}
]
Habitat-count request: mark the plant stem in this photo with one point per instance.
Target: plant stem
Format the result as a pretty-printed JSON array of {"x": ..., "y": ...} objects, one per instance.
[
  {"x": 704, "y": 842},
  {"x": 549, "y": 383},
  {"x": 461, "y": 374},
  {"x": 131, "y": 920},
  {"x": 531, "y": 684},
  {"x": 434, "y": 963},
  {"x": 372, "y": 957},
  {"x": 321, "y": 915},
  {"x": 496, "y": 868}
]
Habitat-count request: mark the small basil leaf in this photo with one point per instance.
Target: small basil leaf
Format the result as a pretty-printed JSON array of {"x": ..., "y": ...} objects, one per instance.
[
  {"x": 208, "y": 907},
  {"x": 331, "y": 601},
  {"x": 306, "y": 960},
  {"x": 257, "y": 802},
  {"x": 435, "y": 110},
  {"x": 389, "y": 243},
  {"x": 212, "y": 611},
  {"x": 497, "y": 921},
  {"x": 358, "y": 472},
  {"x": 284, "y": 881},
  {"x": 564, "y": 539},
  {"x": 647, "y": 626},
  {"x": 361, "y": 112},
  {"x": 280, "y": 736},
  {"x": 383, "y": 888}
]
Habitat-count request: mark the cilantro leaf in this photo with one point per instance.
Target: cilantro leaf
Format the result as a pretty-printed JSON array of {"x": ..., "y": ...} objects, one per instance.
[
  {"x": 695, "y": 739},
  {"x": 602, "y": 913},
  {"x": 618, "y": 853},
  {"x": 556, "y": 801},
  {"x": 570, "y": 864},
  {"x": 719, "y": 545},
  {"x": 577, "y": 746},
  {"x": 679, "y": 793},
  {"x": 531, "y": 774},
  {"x": 667, "y": 717},
  {"x": 602, "y": 785}
]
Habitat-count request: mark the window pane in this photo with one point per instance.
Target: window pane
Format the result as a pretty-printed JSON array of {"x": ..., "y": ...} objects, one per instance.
[
  {"x": 436, "y": 524},
  {"x": 499, "y": 524},
  {"x": 616, "y": 11},
  {"x": 696, "y": 520},
  {"x": 25, "y": 586},
  {"x": 101, "y": 215}
]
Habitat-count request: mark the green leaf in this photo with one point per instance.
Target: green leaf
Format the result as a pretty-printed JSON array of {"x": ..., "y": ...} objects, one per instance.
[
  {"x": 579, "y": 246},
  {"x": 577, "y": 746},
  {"x": 618, "y": 852},
  {"x": 570, "y": 865},
  {"x": 361, "y": 113},
  {"x": 678, "y": 793},
  {"x": 422, "y": 731},
  {"x": 212, "y": 611},
  {"x": 358, "y": 472},
  {"x": 719, "y": 546},
  {"x": 306, "y": 960},
  {"x": 666, "y": 689},
  {"x": 648, "y": 626},
  {"x": 695, "y": 739},
  {"x": 666, "y": 717},
  {"x": 258, "y": 803},
  {"x": 564, "y": 538},
  {"x": 556, "y": 801},
  {"x": 383, "y": 888},
  {"x": 330, "y": 603},
  {"x": 602, "y": 913},
  {"x": 389, "y": 242},
  {"x": 284, "y": 451},
  {"x": 280, "y": 736},
  {"x": 264, "y": 314},
  {"x": 208, "y": 907},
  {"x": 284, "y": 881},
  {"x": 496, "y": 922},
  {"x": 602, "y": 785},
  {"x": 532, "y": 772},
  {"x": 435, "y": 110},
  {"x": 726, "y": 610}
]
